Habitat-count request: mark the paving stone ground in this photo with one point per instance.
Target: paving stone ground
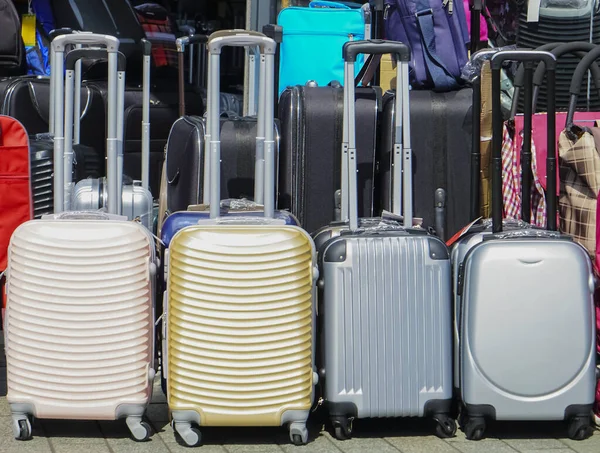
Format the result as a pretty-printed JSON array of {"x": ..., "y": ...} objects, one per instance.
[
  {"x": 374, "y": 436},
  {"x": 405, "y": 436}
]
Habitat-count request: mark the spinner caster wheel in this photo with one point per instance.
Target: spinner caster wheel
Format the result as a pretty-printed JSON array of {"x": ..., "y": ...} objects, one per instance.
[
  {"x": 580, "y": 428},
  {"x": 141, "y": 431},
  {"x": 474, "y": 428},
  {"x": 22, "y": 429},
  {"x": 445, "y": 426},
  {"x": 342, "y": 428},
  {"x": 187, "y": 434},
  {"x": 298, "y": 433}
]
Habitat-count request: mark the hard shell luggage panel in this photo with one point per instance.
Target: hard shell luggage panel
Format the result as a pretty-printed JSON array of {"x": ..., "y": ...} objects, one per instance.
[
  {"x": 67, "y": 279},
  {"x": 240, "y": 316},
  {"x": 506, "y": 363},
  {"x": 390, "y": 356}
]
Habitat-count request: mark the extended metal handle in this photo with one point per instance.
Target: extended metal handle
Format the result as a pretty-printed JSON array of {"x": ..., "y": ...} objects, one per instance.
[
  {"x": 375, "y": 47},
  {"x": 110, "y": 42},
  {"x": 240, "y": 38},
  {"x": 523, "y": 55}
]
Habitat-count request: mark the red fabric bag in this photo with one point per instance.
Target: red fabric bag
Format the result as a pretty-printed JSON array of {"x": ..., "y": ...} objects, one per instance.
[{"x": 16, "y": 205}]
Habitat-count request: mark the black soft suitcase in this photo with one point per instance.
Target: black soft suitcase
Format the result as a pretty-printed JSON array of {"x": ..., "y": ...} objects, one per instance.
[
  {"x": 184, "y": 156},
  {"x": 311, "y": 140},
  {"x": 164, "y": 107},
  {"x": 441, "y": 125}
]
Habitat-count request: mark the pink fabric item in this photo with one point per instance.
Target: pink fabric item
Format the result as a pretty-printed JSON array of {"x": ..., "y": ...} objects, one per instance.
[
  {"x": 540, "y": 138},
  {"x": 483, "y": 29}
]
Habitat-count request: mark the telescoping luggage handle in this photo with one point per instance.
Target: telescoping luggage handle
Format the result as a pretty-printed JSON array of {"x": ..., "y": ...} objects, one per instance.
[
  {"x": 402, "y": 144},
  {"x": 53, "y": 34},
  {"x": 265, "y": 137},
  {"x": 181, "y": 44},
  {"x": 528, "y": 57},
  {"x": 575, "y": 89},
  {"x": 72, "y": 59},
  {"x": 58, "y": 48}
]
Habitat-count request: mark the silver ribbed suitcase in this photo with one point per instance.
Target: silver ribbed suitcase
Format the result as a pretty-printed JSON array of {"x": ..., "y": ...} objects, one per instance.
[
  {"x": 386, "y": 296},
  {"x": 136, "y": 200},
  {"x": 527, "y": 349}
]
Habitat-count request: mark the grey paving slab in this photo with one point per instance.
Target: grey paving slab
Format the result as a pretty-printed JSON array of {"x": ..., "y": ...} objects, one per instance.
[
  {"x": 158, "y": 413},
  {"x": 321, "y": 444},
  {"x": 535, "y": 444},
  {"x": 554, "y": 450},
  {"x": 83, "y": 432},
  {"x": 591, "y": 445},
  {"x": 487, "y": 445},
  {"x": 68, "y": 446},
  {"x": 360, "y": 445},
  {"x": 8, "y": 444},
  {"x": 419, "y": 444}
]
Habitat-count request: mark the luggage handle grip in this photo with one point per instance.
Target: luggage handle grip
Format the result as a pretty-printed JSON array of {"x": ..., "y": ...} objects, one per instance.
[
  {"x": 59, "y": 32},
  {"x": 59, "y": 43},
  {"x": 146, "y": 47},
  {"x": 326, "y": 4},
  {"x": 184, "y": 41},
  {"x": 586, "y": 62},
  {"x": 375, "y": 47},
  {"x": 93, "y": 53},
  {"x": 524, "y": 56},
  {"x": 240, "y": 38}
]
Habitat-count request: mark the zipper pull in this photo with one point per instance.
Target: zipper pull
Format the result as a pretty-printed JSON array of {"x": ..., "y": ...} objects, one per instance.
[
  {"x": 386, "y": 11},
  {"x": 350, "y": 37},
  {"x": 450, "y": 6}
]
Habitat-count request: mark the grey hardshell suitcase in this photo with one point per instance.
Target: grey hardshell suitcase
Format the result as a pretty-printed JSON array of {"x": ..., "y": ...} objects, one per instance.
[
  {"x": 136, "y": 201},
  {"x": 526, "y": 301},
  {"x": 386, "y": 305}
]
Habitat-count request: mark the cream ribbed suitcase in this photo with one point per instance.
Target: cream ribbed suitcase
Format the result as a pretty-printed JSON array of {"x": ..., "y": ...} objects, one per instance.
[
  {"x": 79, "y": 324},
  {"x": 239, "y": 305}
]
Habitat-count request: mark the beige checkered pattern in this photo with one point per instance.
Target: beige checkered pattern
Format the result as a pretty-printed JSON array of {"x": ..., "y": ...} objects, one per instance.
[{"x": 579, "y": 163}]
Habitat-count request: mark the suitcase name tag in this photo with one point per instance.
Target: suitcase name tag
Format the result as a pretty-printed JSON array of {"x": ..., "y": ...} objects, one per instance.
[{"x": 28, "y": 22}]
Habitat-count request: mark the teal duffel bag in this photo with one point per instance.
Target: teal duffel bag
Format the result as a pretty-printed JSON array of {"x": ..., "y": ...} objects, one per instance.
[{"x": 313, "y": 38}]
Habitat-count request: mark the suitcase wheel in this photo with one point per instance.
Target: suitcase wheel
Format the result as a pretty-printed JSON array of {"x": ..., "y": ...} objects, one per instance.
[
  {"x": 474, "y": 428},
  {"x": 580, "y": 428},
  {"x": 342, "y": 428},
  {"x": 140, "y": 430},
  {"x": 22, "y": 428},
  {"x": 187, "y": 434},
  {"x": 298, "y": 433},
  {"x": 446, "y": 426}
]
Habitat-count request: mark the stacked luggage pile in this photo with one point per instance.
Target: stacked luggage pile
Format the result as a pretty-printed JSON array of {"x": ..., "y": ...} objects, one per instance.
[{"x": 291, "y": 253}]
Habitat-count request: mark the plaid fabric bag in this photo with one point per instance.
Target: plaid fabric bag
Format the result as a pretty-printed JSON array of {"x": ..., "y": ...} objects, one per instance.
[
  {"x": 160, "y": 32},
  {"x": 579, "y": 164},
  {"x": 511, "y": 179}
]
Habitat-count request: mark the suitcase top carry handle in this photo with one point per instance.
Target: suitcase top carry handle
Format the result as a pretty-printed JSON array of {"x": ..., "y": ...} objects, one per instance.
[
  {"x": 586, "y": 62},
  {"x": 240, "y": 38},
  {"x": 529, "y": 57},
  {"x": 265, "y": 143},
  {"x": 402, "y": 145},
  {"x": 94, "y": 53},
  {"x": 184, "y": 41},
  {"x": 86, "y": 39},
  {"x": 578, "y": 49},
  {"x": 326, "y": 4},
  {"x": 59, "y": 31},
  {"x": 61, "y": 128},
  {"x": 375, "y": 47}
]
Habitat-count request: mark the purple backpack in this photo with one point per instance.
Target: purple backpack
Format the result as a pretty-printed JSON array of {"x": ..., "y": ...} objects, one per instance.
[{"x": 437, "y": 33}]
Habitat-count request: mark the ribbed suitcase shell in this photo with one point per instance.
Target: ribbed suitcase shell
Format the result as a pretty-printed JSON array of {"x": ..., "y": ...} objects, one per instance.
[
  {"x": 387, "y": 331},
  {"x": 239, "y": 325},
  {"x": 79, "y": 319},
  {"x": 527, "y": 345}
]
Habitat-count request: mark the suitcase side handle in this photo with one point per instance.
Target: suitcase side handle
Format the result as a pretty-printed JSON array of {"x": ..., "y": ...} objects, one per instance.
[{"x": 264, "y": 185}]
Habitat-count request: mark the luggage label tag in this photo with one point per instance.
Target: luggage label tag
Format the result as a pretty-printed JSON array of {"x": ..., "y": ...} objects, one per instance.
[
  {"x": 461, "y": 233},
  {"x": 28, "y": 27}
]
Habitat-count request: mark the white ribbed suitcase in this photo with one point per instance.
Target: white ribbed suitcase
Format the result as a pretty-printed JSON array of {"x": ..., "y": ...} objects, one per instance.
[{"x": 79, "y": 325}]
